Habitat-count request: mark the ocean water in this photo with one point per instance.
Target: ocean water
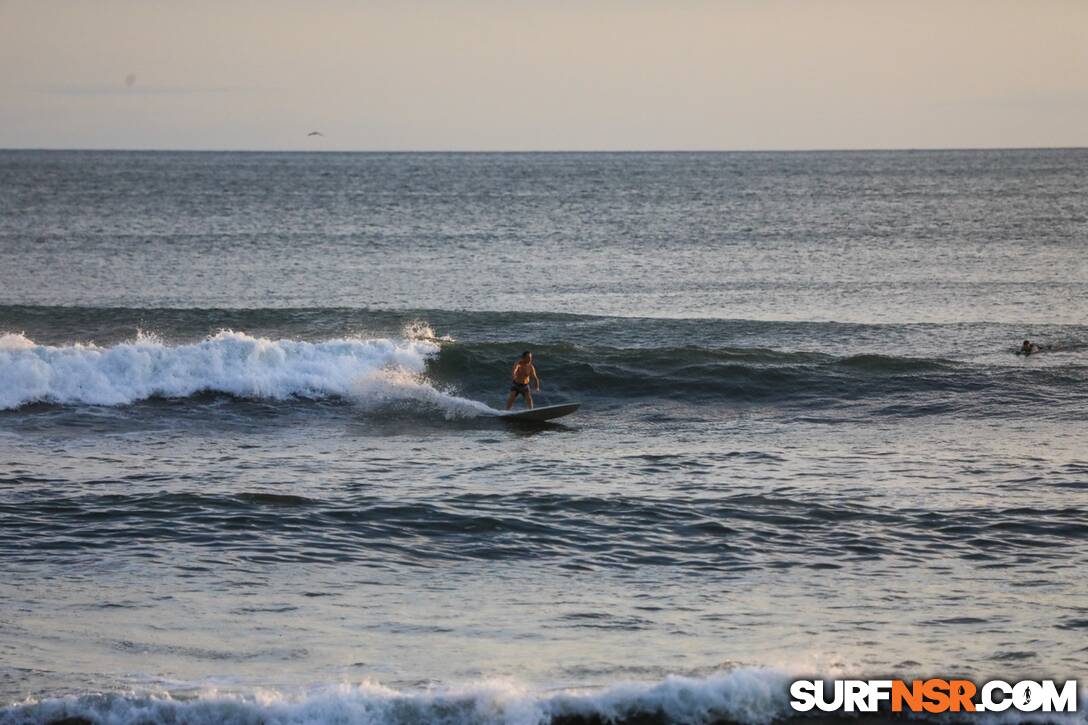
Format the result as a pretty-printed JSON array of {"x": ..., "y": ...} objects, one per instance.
[{"x": 250, "y": 469}]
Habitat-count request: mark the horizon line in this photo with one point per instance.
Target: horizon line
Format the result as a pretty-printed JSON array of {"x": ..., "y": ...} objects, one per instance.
[{"x": 540, "y": 151}]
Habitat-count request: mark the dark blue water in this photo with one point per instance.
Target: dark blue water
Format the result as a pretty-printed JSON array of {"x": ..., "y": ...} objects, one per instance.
[{"x": 251, "y": 468}]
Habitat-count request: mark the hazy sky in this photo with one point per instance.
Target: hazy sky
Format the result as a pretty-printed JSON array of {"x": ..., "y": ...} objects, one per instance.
[{"x": 511, "y": 74}]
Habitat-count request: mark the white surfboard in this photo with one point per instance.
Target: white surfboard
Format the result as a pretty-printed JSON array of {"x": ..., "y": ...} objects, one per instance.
[{"x": 540, "y": 414}]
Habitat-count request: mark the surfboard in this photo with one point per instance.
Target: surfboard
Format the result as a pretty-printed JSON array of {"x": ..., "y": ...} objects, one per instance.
[{"x": 541, "y": 414}]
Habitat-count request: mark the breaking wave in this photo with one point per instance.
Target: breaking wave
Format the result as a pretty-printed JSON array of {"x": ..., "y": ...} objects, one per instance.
[
  {"x": 743, "y": 696},
  {"x": 421, "y": 368},
  {"x": 752, "y": 695},
  {"x": 371, "y": 372}
]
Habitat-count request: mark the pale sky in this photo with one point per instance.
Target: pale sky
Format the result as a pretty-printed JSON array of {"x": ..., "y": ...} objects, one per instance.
[{"x": 519, "y": 75}]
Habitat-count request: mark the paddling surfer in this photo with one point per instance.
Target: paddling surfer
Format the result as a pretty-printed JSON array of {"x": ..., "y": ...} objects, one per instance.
[{"x": 523, "y": 373}]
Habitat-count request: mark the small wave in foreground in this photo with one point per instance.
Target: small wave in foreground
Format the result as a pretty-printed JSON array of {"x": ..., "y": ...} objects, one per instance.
[{"x": 745, "y": 696}]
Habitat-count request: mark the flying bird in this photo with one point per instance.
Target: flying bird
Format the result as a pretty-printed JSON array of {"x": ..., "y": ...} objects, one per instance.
[{"x": 315, "y": 133}]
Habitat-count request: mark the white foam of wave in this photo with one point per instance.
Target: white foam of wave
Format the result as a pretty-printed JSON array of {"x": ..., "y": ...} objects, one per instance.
[
  {"x": 755, "y": 696},
  {"x": 229, "y": 362},
  {"x": 748, "y": 695},
  {"x": 15, "y": 341},
  {"x": 392, "y": 386}
]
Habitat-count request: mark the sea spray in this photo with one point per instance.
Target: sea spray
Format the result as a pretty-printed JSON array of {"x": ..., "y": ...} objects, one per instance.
[{"x": 395, "y": 386}]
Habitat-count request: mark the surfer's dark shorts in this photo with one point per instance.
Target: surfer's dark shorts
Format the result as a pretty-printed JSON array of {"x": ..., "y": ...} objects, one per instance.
[{"x": 516, "y": 387}]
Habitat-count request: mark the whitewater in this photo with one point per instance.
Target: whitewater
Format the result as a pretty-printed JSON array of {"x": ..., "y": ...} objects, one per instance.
[
  {"x": 752, "y": 696},
  {"x": 370, "y": 371}
]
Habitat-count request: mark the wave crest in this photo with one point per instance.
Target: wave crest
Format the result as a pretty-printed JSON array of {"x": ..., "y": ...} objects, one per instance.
[
  {"x": 749, "y": 695},
  {"x": 742, "y": 696},
  {"x": 229, "y": 362}
]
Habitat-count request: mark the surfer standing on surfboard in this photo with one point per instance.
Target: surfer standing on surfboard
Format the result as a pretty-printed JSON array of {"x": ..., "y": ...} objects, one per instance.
[{"x": 523, "y": 373}]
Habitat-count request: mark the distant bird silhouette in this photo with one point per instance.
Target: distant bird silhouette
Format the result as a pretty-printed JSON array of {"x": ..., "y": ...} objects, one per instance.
[{"x": 315, "y": 133}]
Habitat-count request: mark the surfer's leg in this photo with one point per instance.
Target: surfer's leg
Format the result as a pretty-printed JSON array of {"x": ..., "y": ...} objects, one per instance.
[
  {"x": 528, "y": 398},
  {"x": 511, "y": 398}
]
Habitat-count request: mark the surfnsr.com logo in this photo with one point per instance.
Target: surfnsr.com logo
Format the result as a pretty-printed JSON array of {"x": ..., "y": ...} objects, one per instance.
[{"x": 932, "y": 696}]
